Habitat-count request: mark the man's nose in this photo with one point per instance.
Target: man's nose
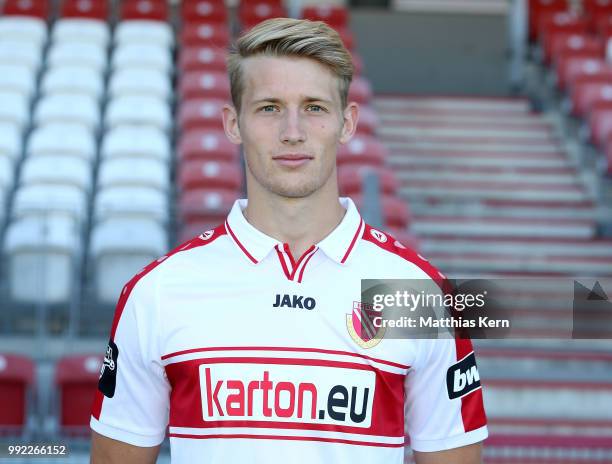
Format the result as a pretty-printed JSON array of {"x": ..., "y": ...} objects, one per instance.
[{"x": 292, "y": 128}]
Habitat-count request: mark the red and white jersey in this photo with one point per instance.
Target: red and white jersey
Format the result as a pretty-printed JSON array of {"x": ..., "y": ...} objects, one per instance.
[{"x": 243, "y": 353}]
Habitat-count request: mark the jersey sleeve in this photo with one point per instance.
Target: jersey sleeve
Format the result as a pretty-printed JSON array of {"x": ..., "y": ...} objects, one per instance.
[
  {"x": 132, "y": 401},
  {"x": 444, "y": 407}
]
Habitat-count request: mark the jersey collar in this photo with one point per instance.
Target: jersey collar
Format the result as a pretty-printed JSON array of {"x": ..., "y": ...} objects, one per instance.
[{"x": 256, "y": 245}]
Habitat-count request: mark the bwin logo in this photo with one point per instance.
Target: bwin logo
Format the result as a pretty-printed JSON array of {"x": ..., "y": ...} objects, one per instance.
[
  {"x": 462, "y": 377},
  {"x": 294, "y": 301}
]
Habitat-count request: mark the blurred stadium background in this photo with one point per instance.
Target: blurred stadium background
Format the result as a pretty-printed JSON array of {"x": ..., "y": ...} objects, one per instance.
[{"x": 485, "y": 142}]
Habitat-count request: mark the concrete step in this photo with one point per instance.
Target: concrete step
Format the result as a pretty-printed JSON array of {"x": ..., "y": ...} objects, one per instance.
[
  {"x": 433, "y": 159},
  {"x": 408, "y": 176},
  {"x": 400, "y": 142},
  {"x": 483, "y": 211},
  {"x": 467, "y": 121},
  {"x": 468, "y": 105}
]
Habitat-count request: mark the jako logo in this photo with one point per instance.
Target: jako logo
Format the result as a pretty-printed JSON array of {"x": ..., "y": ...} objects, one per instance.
[
  {"x": 462, "y": 377},
  {"x": 288, "y": 393},
  {"x": 294, "y": 301}
]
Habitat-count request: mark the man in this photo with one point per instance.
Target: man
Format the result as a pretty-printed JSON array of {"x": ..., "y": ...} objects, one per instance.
[{"x": 239, "y": 341}]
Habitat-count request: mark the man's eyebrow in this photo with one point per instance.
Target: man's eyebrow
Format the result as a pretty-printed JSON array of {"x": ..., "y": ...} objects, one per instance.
[{"x": 277, "y": 100}]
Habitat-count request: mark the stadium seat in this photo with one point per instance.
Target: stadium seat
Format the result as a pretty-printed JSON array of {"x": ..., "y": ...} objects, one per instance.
[
  {"x": 144, "y": 31},
  {"x": 368, "y": 121},
  {"x": 81, "y": 30},
  {"x": 23, "y": 28},
  {"x": 201, "y": 113},
  {"x": 209, "y": 174},
  {"x": 136, "y": 142},
  {"x": 207, "y": 145},
  {"x": 84, "y": 53},
  {"x": 17, "y": 377},
  {"x": 336, "y": 16},
  {"x": 63, "y": 170},
  {"x": 120, "y": 248},
  {"x": 600, "y": 125},
  {"x": 21, "y": 53},
  {"x": 360, "y": 91},
  {"x": 14, "y": 109},
  {"x": 202, "y": 59},
  {"x": 595, "y": 10},
  {"x": 395, "y": 213},
  {"x": 585, "y": 94},
  {"x": 17, "y": 78},
  {"x": 10, "y": 141},
  {"x": 204, "y": 84},
  {"x": 362, "y": 149},
  {"x": 253, "y": 13},
  {"x": 134, "y": 172},
  {"x": 34, "y": 8},
  {"x": 68, "y": 108},
  {"x": 131, "y": 203},
  {"x": 204, "y": 10},
  {"x": 607, "y": 162},
  {"x": 351, "y": 177},
  {"x": 570, "y": 68},
  {"x": 560, "y": 22},
  {"x": 140, "y": 81},
  {"x": 138, "y": 110},
  {"x": 73, "y": 80},
  {"x": 142, "y": 56},
  {"x": 574, "y": 45},
  {"x": 205, "y": 34},
  {"x": 41, "y": 252},
  {"x": 64, "y": 201},
  {"x": 7, "y": 177},
  {"x": 206, "y": 205},
  {"x": 76, "y": 382},
  {"x": 85, "y": 9},
  {"x": 62, "y": 139},
  {"x": 144, "y": 10}
]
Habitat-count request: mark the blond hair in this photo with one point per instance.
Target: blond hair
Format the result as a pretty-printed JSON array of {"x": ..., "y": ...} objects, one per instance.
[{"x": 291, "y": 37}]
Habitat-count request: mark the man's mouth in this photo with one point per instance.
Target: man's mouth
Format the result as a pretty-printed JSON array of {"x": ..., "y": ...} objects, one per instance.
[{"x": 292, "y": 160}]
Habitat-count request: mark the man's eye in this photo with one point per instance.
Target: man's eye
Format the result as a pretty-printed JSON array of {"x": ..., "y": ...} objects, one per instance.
[
  {"x": 315, "y": 108},
  {"x": 268, "y": 108}
]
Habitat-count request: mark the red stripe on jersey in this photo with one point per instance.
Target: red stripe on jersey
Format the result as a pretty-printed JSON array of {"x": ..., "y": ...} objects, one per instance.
[
  {"x": 305, "y": 263},
  {"x": 281, "y": 258},
  {"x": 231, "y": 232},
  {"x": 299, "y": 261},
  {"x": 472, "y": 405},
  {"x": 127, "y": 290},
  {"x": 348, "y": 251},
  {"x": 284, "y": 437}
]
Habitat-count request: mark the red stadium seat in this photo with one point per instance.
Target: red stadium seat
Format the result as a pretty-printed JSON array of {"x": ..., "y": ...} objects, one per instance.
[
  {"x": 539, "y": 8},
  {"x": 206, "y": 205},
  {"x": 608, "y": 160},
  {"x": 350, "y": 179},
  {"x": 207, "y": 145},
  {"x": 201, "y": 113},
  {"x": 254, "y": 13},
  {"x": 560, "y": 23},
  {"x": 574, "y": 45},
  {"x": 600, "y": 124},
  {"x": 394, "y": 210},
  {"x": 76, "y": 378},
  {"x": 570, "y": 68},
  {"x": 405, "y": 238},
  {"x": 35, "y": 8},
  {"x": 586, "y": 94},
  {"x": 603, "y": 26},
  {"x": 202, "y": 59},
  {"x": 144, "y": 9},
  {"x": 205, "y": 34},
  {"x": 368, "y": 121},
  {"x": 335, "y": 16},
  {"x": 90, "y": 9},
  {"x": 204, "y": 11},
  {"x": 364, "y": 150},
  {"x": 204, "y": 84},
  {"x": 209, "y": 174},
  {"x": 16, "y": 380},
  {"x": 595, "y": 10},
  {"x": 360, "y": 91}
]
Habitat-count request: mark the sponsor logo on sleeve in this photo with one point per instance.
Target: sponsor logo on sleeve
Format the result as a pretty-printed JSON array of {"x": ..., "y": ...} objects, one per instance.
[
  {"x": 462, "y": 377},
  {"x": 108, "y": 372}
]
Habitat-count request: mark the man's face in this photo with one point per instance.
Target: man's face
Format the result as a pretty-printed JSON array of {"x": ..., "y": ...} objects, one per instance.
[{"x": 290, "y": 123}]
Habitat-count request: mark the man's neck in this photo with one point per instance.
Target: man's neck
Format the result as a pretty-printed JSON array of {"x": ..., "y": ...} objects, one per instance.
[{"x": 300, "y": 222}]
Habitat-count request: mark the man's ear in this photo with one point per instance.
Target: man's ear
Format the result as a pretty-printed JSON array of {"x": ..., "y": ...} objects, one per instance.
[
  {"x": 230, "y": 124},
  {"x": 351, "y": 117}
]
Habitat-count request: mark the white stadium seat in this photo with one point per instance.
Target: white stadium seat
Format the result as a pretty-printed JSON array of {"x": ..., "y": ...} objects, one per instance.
[
  {"x": 131, "y": 202},
  {"x": 7, "y": 174},
  {"x": 17, "y": 78},
  {"x": 78, "y": 54},
  {"x": 23, "y": 28},
  {"x": 121, "y": 248},
  {"x": 62, "y": 139},
  {"x": 142, "y": 56},
  {"x": 73, "y": 79},
  {"x": 24, "y": 53},
  {"x": 10, "y": 140},
  {"x": 14, "y": 109},
  {"x": 50, "y": 201},
  {"x": 81, "y": 30},
  {"x": 62, "y": 170},
  {"x": 68, "y": 108},
  {"x": 135, "y": 172},
  {"x": 41, "y": 256},
  {"x": 138, "y": 110},
  {"x": 140, "y": 81},
  {"x": 144, "y": 31},
  {"x": 136, "y": 141}
]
